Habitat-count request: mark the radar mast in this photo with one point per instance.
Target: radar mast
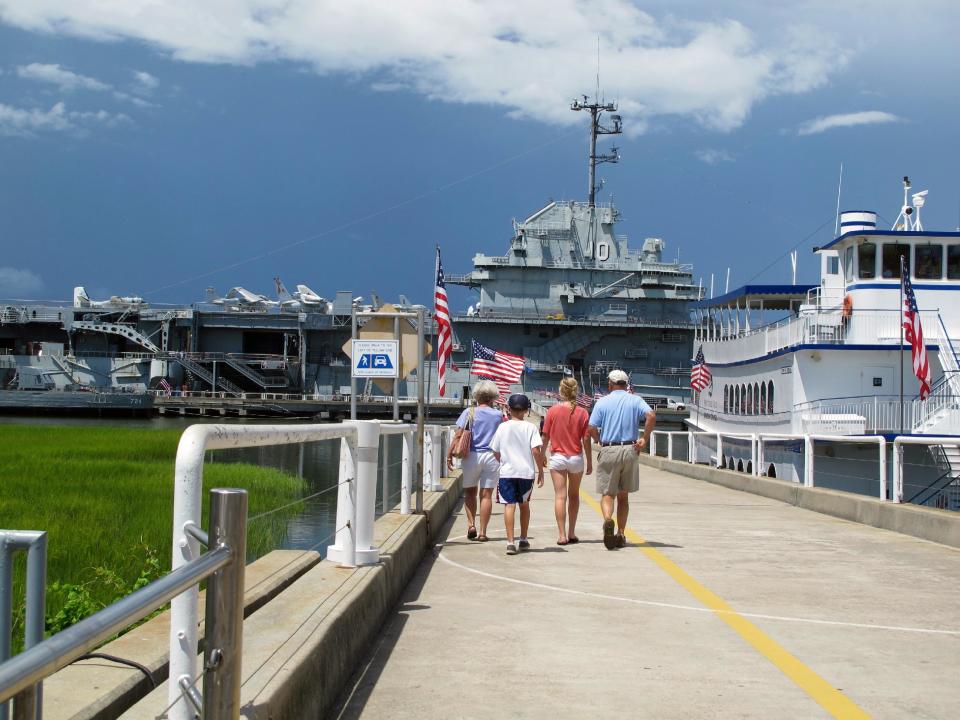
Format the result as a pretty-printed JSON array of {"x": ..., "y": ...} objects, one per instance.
[{"x": 596, "y": 109}]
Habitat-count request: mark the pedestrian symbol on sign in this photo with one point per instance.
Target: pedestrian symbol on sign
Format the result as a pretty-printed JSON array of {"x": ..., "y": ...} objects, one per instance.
[{"x": 374, "y": 360}]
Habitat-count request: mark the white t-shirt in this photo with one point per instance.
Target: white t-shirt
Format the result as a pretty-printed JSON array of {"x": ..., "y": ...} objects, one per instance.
[{"x": 514, "y": 440}]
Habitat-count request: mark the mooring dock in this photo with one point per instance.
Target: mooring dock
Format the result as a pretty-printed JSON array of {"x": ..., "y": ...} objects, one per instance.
[{"x": 725, "y": 604}]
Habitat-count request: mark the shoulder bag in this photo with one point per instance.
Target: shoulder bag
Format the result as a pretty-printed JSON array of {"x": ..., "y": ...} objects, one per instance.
[{"x": 462, "y": 446}]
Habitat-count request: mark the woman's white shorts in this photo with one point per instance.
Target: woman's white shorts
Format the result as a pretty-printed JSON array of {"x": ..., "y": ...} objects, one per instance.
[
  {"x": 566, "y": 463},
  {"x": 480, "y": 468}
]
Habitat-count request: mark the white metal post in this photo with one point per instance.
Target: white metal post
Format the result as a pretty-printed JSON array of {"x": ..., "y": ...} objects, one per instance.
[
  {"x": 343, "y": 550},
  {"x": 808, "y": 461},
  {"x": 670, "y": 446},
  {"x": 691, "y": 454},
  {"x": 368, "y": 447},
  {"x": 653, "y": 443},
  {"x": 760, "y": 459},
  {"x": 883, "y": 467},
  {"x": 187, "y": 501},
  {"x": 897, "y": 472},
  {"x": 409, "y": 469},
  {"x": 385, "y": 476},
  {"x": 719, "y": 450},
  {"x": 436, "y": 459},
  {"x": 754, "y": 457}
]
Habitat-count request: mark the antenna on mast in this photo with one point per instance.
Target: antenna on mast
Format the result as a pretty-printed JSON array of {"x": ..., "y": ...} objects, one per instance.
[
  {"x": 596, "y": 110},
  {"x": 836, "y": 230}
]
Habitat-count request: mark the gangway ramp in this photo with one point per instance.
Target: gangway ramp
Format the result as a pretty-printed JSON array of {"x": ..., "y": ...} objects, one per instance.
[{"x": 725, "y": 604}]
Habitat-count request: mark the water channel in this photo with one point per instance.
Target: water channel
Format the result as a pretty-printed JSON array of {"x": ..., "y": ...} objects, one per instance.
[{"x": 316, "y": 462}]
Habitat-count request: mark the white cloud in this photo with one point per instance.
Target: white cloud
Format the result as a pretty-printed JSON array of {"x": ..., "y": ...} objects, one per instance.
[
  {"x": 17, "y": 282},
  {"x": 63, "y": 79},
  {"x": 828, "y": 122},
  {"x": 16, "y": 121},
  {"x": 530, "y": 57},
  {"x": 145, "y": 82},
  {"x": 714, "y": 157}
]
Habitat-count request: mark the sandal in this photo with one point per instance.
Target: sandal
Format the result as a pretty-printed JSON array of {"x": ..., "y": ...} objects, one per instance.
[
  {"x": 573, "y": 539},
  {"x": 482, "y": 538},
  {"x": 562, "y": 541},
  {"x": 471, "y": 533}
]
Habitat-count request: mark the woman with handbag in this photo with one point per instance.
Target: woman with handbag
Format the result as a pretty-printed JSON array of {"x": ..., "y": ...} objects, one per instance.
[
  {"x": 481, "y": 469},
  {"x": 565, "y": 431}
]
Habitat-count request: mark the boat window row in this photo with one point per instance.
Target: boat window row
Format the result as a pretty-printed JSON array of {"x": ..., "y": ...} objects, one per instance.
[
  {"x": 748, "y": 399},
  {"x": 928, "y": 261}
]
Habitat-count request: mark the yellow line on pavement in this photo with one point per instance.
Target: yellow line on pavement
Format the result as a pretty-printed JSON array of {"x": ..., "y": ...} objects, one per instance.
[{"x": 831, "y": 699}]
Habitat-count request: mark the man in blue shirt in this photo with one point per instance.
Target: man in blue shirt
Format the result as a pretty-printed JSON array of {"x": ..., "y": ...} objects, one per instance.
[{"x": 614, "y": 423}]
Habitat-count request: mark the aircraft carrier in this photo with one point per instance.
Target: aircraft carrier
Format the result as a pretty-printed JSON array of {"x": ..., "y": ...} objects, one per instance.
[
  {"x": 573, "y": 298},
  {"x": 570, "y": 295}
]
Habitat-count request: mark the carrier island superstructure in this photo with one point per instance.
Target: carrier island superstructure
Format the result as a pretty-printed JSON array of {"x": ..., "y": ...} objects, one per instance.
[{"x": 570, "y": 295}]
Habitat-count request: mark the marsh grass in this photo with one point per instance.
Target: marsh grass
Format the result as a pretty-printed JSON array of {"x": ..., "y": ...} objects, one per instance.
[{"x": 105, "y": 497}]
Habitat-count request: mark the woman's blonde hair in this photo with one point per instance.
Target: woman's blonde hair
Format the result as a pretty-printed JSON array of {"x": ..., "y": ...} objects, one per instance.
[{"x": 568, "y": 391}]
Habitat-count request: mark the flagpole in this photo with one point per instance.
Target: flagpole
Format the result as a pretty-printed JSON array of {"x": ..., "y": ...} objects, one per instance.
[{"x": 902, "y": 269}]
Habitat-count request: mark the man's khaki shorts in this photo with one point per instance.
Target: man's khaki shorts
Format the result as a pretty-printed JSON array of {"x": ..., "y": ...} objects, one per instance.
[{"x": 618, "y": 470}]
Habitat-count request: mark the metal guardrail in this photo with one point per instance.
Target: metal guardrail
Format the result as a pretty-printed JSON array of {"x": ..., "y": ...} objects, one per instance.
[
  {"x": 356, "y": 506},
  {"x": 759, "y": 440},
  {"x": 224, "y": 565},
  {"x": 27, "y": 703}
]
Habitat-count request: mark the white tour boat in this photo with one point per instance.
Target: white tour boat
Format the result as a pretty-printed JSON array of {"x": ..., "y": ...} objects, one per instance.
[{"x": 837, "y": 365}]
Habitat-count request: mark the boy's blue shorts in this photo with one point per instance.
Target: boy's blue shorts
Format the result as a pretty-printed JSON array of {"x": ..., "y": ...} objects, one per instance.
[{"x": 513, "y": 491}]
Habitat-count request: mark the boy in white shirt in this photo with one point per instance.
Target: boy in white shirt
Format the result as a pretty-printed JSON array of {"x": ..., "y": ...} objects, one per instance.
[{"x": 517, "y": 445}]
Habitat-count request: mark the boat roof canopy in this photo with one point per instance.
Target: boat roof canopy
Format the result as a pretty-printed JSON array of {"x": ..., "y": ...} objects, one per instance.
[
  {"x": 905, "y": 235},
  {"x": 774, "y": 297}
]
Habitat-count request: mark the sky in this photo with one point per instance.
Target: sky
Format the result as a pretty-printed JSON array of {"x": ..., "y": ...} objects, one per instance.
[{"x": 158, "y": 147}]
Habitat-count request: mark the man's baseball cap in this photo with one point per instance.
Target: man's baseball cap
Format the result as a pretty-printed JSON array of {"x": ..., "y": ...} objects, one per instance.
[
  {"x": 518, "y": 402},
  {"x": 618, "y": 377}
]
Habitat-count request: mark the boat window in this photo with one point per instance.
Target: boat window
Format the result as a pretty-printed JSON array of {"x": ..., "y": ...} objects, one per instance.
[
  {"x": 770, "y": 396},
  {"x": 763, "y": 398},
  {"x": 749, "y": 399},
  {"x": 726, "y": 399},
  {"x": 891, "y": 259},
  {"x": 736, "y": 399},
  {"x": 833, "y": 265},
  {"x": 929, "y": 262},
  {"x": 953, "y": 262},
  {"x": 867, "y": 260},
  {"x": 757, "y": 407},
  {"x": 848, "y": 263}
]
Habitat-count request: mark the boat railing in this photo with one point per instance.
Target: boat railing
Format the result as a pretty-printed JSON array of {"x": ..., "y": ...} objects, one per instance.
[
  {"x": 881, "y": 413},
  {"x": 941, "y": 406},
  {"x": 862, "y": 327}
]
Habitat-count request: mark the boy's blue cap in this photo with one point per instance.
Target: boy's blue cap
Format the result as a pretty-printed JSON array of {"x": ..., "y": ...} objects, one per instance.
[{"x": 518, "y": 402}]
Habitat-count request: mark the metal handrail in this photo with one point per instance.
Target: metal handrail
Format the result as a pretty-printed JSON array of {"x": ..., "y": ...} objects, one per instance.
[{"x": 228, "y": 510}]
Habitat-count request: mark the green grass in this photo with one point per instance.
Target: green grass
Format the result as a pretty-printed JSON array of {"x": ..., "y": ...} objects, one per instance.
[{"x": 104, "y": 494}]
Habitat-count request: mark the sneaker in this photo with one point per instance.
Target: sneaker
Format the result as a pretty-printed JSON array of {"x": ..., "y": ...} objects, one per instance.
[
  {"x": 511, "y": 549},
  {"x": 609, "y": 539},
  {"x": 524, "y": 544},
  {"x": 621, "y": 540}
]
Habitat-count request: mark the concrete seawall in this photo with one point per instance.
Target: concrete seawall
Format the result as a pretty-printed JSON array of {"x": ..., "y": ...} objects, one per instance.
[
  {"x": 940, "y": 526},
  {"x": 300, "y": 649}
]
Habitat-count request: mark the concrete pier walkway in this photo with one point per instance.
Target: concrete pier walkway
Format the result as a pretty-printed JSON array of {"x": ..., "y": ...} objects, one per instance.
[{"x": 725, "y": 604}]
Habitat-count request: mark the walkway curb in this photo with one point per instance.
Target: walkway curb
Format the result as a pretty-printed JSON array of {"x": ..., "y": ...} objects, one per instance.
[{"x": 939, "y": 526}]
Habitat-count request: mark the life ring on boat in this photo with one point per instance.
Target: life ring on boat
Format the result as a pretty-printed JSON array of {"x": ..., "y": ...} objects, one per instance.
[{"x": 847, "y": 306}]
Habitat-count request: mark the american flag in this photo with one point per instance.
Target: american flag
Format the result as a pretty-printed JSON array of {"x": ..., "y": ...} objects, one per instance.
[
  {"x": 584, "y": 401},
  {"x": 165, "y": 386},
  {"x": 700, "y": 376},
  {"x": 503, "y": 368},
  {"x": 441, "y": 313},
  {"x": 913, "y": 332}
]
